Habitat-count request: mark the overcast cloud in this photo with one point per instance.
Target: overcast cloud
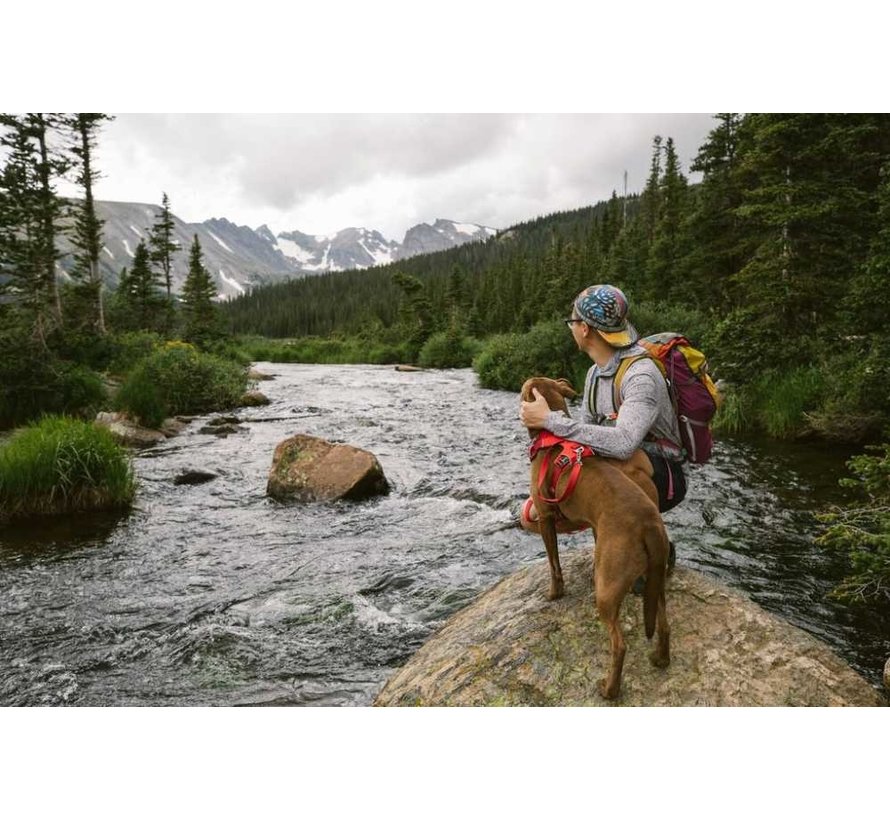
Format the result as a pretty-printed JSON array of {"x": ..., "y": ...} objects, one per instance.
[{"x": 321, "y": 173}]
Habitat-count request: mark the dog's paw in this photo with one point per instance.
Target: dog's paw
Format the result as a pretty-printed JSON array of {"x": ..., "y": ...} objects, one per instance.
[
  {"x": 556, "y": 591},
  {"x": 609, "y": 693},
  {"x": 660, "y": 661}
]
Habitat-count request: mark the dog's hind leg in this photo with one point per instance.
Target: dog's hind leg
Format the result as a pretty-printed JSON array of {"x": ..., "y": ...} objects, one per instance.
[
  {"x": 608, "y": 604},
  {"x": 654, "y": 607},
  {"x": 548, "y": 533}
]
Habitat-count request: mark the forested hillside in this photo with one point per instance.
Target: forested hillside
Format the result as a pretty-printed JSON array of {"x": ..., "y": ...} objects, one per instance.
[{"x": 778, "y": 261}]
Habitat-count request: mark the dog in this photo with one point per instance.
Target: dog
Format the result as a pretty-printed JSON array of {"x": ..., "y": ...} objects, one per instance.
[{"x": 620, "y": 503}]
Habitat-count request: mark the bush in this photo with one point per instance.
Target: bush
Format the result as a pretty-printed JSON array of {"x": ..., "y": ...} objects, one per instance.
[
  {"x": 131, "y": 348},
  {"x": 316, "y": 350},
  {"x": 863, "y": 529},
  {"x": 33, "y": 381},
  {"x": 448, "y": 350},
  {"x": 60, "y": 465},
  {"x": 179, "y": 379},
  {"x": 548, "y": 349}
]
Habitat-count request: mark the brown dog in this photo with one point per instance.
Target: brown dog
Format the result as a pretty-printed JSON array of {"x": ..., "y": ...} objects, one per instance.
[{"x": 619, "y": 501}]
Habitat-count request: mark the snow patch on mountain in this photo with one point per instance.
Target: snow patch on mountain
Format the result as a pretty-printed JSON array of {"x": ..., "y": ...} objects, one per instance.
[
  {"x": 233, "y": 283},
  {"x": 219, "y": 242},
  {"x": 127, "y": 248}
]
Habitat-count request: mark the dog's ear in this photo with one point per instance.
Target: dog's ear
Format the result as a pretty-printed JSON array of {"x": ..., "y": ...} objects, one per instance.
[{"x": 564, "y": 386}]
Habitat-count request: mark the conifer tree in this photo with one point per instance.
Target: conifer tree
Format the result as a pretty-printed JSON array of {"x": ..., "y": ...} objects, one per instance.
[
  {"x": 716, "y": 242},
  {"x": 87, "y": 228},
  {"x": 146, "y": 301},
  {"x": 161, "y": 244},
  {"x": 198, "y": 293},
  {"x": 30, "y": 210},
  {"x": 667, "y": 247}
]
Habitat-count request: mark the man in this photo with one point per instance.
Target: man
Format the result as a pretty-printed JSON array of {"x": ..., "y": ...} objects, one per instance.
[{"x": 644, "y": 419}]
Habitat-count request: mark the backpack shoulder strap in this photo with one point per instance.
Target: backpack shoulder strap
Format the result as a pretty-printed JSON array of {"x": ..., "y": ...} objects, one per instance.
[{"x": 622, "y": 370}]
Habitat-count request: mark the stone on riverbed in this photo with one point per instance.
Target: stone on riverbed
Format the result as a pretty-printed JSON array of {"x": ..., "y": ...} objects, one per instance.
[
  {"x": 194, "y": 477},
  {"x": 127, "y": 431},
  {"x": 305, "y": 468},
  {"x": 253, "y": 398},
  {"x": 512, "y": 647}
]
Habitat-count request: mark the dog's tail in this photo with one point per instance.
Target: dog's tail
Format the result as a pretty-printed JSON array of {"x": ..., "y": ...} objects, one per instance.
[{"x": 657, "y": 546}]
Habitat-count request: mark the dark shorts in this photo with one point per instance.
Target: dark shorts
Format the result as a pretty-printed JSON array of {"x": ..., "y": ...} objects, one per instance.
[{"x": 670, "y": 480}]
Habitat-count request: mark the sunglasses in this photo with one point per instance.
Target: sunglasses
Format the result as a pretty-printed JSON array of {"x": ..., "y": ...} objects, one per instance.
[{"x": 570, "y": 322}]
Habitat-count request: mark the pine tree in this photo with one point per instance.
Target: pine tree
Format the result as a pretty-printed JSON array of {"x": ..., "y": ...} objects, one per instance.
[
  {"x": 716, "y": 242},
  {"x": 650, "y": 200},
  {"x": 144, "y": 297},
  {"x": 87, "y": 229},
  {"x": 30, "y": 211},
  {"x": 667, "y": 247},
  {"x": 161, "y": 243},
  {"x": 198, "y": 293}
]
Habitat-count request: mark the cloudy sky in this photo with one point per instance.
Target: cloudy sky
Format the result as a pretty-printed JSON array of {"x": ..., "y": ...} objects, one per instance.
[{"x": 321, "y": 173}]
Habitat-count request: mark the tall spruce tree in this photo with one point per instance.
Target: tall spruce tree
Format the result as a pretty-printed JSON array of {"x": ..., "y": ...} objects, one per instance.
[
  {"x": 161, "y": 244},
  {"x": 716, "y": 243},
  {"x": 199, "y": 311},
  {"x": 86, "y": 235},
  {"x": 146, "y": 302},
  {"x": 30, "y": 211},
  {"x": 668, "y": 241}
]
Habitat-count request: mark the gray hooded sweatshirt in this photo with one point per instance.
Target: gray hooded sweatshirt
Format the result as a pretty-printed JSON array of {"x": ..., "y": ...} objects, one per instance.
[{"x": 645, "y": 408}]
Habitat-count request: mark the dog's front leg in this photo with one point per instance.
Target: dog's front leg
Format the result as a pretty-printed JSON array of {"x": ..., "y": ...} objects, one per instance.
[{"x": 548, "y": 533}]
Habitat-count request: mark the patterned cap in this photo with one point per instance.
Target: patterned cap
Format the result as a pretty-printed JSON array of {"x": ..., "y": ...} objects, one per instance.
[{"x": 604, "y": 308}]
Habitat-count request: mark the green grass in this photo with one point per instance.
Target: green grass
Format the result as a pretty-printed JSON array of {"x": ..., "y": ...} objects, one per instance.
[
  {"x": 61, "y": 465},
  {"x": 782, "y": 400}
]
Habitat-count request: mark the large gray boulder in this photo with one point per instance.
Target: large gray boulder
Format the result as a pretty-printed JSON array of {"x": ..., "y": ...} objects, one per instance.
[
  {"x": 305, "y": 468},
  {"x": 512, "y": 647}
]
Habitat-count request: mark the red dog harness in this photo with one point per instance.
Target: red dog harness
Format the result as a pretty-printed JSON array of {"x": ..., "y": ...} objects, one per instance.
[{"x": 570, "y": 454}]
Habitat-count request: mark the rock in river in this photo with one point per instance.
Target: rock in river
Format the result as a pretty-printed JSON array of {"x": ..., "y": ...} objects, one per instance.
[
  {"x": 512, "y": 647},
  {"x": 305, "y": 468},
  {"x": 127, "y": 431}
]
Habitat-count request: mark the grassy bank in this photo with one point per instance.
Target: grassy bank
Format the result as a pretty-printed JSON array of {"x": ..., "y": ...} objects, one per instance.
[{"x": 62, "y": 465}]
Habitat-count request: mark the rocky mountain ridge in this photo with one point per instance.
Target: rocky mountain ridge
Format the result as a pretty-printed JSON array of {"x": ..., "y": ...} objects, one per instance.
[{"x": 240, "y": 257}]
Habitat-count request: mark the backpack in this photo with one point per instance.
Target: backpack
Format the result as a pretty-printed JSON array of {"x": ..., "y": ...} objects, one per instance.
[{"x": 693, "y": 393}]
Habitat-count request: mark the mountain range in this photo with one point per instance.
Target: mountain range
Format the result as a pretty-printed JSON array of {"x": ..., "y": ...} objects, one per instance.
[{"x": 240, "y": 257}]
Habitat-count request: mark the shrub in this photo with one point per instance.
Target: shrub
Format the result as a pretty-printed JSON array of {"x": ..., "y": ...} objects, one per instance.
[
  {"x": 863, "y": 529},
  {"x": 33, "y": 381},
  {"x": 60, "y": 465},
  {"x": 131, "y": 348},
  {"x": 548, "y": 349},
  {"x": 448, "y": 350},
  {"x": 179, "y": 379}
]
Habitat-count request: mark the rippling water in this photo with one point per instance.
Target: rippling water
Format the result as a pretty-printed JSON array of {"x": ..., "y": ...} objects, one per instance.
[{"x": 215, "y": 594}]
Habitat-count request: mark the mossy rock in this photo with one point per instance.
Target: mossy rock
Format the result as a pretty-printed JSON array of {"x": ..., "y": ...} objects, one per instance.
[{"x": 305, "y": 468}]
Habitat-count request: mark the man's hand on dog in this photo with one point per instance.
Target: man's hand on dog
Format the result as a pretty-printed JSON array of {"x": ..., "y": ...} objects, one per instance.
[{"x": 533, "y": 414}]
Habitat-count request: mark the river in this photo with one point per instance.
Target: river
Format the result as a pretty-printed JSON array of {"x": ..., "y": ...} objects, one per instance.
[{"x": 214, "y": 594}]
